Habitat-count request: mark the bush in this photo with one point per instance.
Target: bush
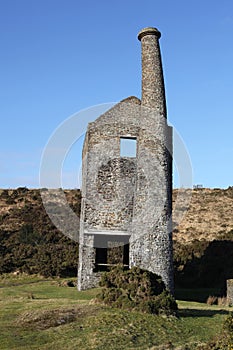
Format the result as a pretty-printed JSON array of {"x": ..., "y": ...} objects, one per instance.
[{"x": 136, "y": 289}]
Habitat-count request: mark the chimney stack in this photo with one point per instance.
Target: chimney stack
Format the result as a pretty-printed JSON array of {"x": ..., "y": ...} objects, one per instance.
[{"x": 153, "y": 91}]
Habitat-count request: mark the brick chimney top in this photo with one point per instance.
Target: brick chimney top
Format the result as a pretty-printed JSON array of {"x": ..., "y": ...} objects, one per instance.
[{"x": 149, "y": 31}]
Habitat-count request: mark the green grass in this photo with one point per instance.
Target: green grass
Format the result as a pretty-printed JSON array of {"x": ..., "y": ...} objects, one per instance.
[{"x": 40, "y": 314}]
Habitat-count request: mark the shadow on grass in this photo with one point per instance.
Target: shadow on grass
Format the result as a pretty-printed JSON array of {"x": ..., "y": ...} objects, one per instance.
[
  {"x": 200, "y": 312},
  {"x": 196, "y": 294}
]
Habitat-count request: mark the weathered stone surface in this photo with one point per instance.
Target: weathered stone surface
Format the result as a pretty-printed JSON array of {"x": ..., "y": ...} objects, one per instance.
[
  {"x": 125, "y": 196},
  {"x": 230, "y": 292},
  {"x": 153, "y": 91}
]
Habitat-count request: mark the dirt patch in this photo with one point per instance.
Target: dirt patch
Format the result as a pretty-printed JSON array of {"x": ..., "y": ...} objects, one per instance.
[{"x": 44, "y": 319}]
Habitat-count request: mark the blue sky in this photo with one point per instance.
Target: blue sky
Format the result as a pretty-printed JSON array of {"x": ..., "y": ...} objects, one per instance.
[{"x": 62, "y": 56}]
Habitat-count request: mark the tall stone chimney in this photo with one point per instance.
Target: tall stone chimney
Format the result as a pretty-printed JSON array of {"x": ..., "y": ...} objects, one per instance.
[{"x": 153, "y": 91}]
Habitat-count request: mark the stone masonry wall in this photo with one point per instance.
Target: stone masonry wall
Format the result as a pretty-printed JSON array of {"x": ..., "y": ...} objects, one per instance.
[
  {"x": 153, "y": 91},
  {"x": 230, "y": 292},
  {"x": 151, "y": 240},
  {"x": 131, "y": 196},
  {"x": 110, "y": 180}
]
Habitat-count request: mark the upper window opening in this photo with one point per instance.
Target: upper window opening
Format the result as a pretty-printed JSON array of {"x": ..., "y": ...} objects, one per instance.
[{"x": 128, "y": 147}]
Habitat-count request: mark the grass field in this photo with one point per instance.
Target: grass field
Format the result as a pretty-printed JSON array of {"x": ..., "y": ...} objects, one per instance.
[{"x": 38, "y": 313}]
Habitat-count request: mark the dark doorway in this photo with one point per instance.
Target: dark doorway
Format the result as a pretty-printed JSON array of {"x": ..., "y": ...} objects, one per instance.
[{"x": 110, "y": 251}]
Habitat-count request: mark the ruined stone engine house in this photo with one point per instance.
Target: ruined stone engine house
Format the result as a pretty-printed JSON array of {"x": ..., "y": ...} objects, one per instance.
[{"x": 127, "y": 181}]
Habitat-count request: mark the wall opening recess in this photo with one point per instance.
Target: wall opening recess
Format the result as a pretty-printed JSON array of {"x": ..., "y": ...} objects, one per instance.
[
  {"x": 115, "y": 251},
  {"x": 128, "y": 147}
]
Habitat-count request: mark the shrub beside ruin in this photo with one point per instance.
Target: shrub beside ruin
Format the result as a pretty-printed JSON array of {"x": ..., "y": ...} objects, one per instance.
[{"x": 136, "y": 289}]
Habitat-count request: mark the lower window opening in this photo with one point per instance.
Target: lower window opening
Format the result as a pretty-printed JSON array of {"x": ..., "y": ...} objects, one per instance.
[{"x": 111, "y": 251}]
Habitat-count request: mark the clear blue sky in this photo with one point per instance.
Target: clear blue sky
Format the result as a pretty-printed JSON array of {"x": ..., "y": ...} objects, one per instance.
[{"x": 61, "y": 56}]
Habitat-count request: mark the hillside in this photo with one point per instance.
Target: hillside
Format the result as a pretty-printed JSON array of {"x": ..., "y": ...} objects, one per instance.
[
  {"x": 203, "y": 240},
  {"x": 209, "y": 216},
  {"x": 29, "y": 241},
  {"x": 23, "y": 206}
]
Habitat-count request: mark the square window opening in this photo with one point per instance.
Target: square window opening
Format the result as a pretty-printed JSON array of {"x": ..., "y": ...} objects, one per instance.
[
  {"x": 128, "y": 147},
  {"x": 114, "y": 251}
]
